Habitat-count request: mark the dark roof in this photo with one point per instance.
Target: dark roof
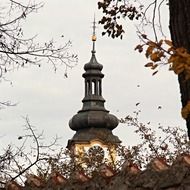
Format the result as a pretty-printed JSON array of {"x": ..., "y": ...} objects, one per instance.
[
  {"x": 105, "y": 136},
  {"x": 157, "y": 176}
]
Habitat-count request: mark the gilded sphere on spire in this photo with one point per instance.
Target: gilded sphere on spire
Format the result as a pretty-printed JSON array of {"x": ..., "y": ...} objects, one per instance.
[{"x": 94, "y": 38}]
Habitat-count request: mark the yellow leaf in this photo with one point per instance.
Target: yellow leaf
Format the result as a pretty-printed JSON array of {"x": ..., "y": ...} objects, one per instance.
[
  {"x": 168, "y": 42},
  {"x": 150, "y": 64}
]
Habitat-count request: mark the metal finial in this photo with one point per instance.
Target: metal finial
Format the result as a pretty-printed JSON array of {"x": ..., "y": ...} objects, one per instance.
[
  {"x": 94, "y": 34},
  {"x": 94, "y": 30}
]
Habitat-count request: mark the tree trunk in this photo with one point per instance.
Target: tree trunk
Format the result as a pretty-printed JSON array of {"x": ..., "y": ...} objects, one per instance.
[{"x": 180, "y": 35}]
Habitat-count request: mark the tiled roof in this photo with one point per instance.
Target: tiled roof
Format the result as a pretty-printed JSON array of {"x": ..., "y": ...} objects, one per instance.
[{"x": 157, "y": 176}]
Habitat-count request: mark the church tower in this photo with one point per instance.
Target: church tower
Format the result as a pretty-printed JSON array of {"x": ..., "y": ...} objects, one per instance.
[{"x": 93, "y": 123}]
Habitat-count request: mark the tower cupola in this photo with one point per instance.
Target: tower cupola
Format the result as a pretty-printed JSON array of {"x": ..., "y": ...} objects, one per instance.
[{"x": 93, "y": 121}]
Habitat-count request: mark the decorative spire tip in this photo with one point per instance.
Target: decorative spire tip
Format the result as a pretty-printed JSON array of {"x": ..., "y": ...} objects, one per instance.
[{"x": 94, "y": 30}]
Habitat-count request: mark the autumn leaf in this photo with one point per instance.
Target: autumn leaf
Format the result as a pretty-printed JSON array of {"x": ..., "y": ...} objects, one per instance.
[
  {"x": 172, "y": 59},
  {"x": 155, "y": 57},
  {"x": 161, "y": 54},
  {"x": 171, "y": 49},
  {"x": 150, "y": 64},
  {"x": 182, "y": 52},
  {"x": 185, "y": 112},
  {"x": 178, "y": 67},
  {"x": 154, "y": 73},
  {"x": 144, "y": 36},
  {"x": 139, "y": 48},
  {"x": 154, "y": 66},
  {"x": 188, "y": 61},
  {"x": 149, "y": 51},
  {"x": 160, "y": 42},
  {"x": 168, "y": 42},
  {"x": 151, "y": 43},
  {"x": 187, "y": 71}
]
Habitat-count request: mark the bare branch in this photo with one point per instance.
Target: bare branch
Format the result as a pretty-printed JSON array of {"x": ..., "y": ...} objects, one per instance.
[
  {"x": 153, "y": 20},
  {"x": 17, "y": 51},
  {"x": 6, "y": 104}
]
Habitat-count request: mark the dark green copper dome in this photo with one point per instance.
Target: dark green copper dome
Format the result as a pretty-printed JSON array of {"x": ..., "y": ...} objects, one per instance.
[{"x": 93, "y": 113}]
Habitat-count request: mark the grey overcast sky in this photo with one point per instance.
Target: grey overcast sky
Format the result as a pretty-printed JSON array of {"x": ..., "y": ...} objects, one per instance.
[{"x": 50, "y": 100}]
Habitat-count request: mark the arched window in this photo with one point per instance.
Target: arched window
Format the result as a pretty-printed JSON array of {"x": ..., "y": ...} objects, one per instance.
[
  {"x": 93, "y": 87},
  {"x": 97, "y": 88},
  {"x": 88, "y": 87},
  {"x": 100, "y": 88}
]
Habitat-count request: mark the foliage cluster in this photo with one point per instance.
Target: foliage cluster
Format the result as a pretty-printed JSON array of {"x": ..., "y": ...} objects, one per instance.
[
  {"x": 18, "y": 162},
  {"x": 113, "y": 11},
  {"x": 164, "y": 53},
  {"x": 159, "y": 52}
]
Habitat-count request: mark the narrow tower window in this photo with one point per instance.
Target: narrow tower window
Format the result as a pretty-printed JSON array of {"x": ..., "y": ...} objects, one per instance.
[
  {"x": 100, "y": 87},
  {"x": 93, "y": 87},
  {"x": 88, "y": 87},
  {"x": 97, "y": 88}
]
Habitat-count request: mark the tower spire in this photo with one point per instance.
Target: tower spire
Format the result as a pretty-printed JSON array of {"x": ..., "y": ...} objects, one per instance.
[{"x": 93, "y": 121}]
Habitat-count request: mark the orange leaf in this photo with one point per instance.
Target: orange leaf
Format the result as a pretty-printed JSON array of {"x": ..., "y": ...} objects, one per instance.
[
  {"x": 168, "y": 42},
  {"x": 149, "y": 51},
  {"x": 172, "y": 59},
  {"x": 182, "y": 52},
  {"x": 155, "y": 57},
  {"x": 179, "y": 70},
  {"x": 171, "y": 49}
]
